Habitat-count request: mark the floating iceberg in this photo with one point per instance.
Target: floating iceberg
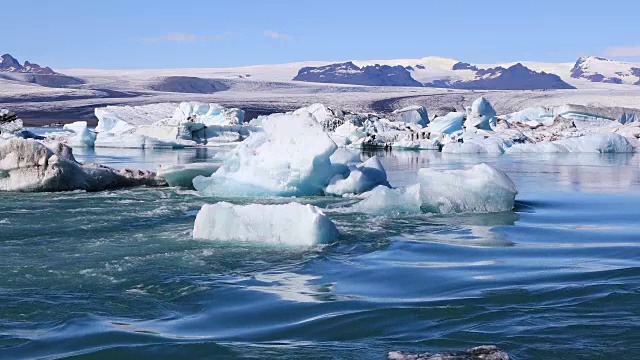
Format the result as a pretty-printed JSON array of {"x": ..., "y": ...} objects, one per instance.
[
  {"x": 481, "y": 115},
  {"x": 412, "y": 115},
  {"x": 477, "y": 142},
  {"x": 168, "y": 125},
  {"x": 82, "y": 137},
  {"x": 289, "y": 157},
  {"x": 481, "y": 188},
  {"x": 289, "y": 224},
  {"x": 362, "y": 177},
  {"x": 447, "y": 124},
  {"x": 183, "y": 175},
  {"x": 596, "y": 143},
  {"x": 27, "y": 165}
]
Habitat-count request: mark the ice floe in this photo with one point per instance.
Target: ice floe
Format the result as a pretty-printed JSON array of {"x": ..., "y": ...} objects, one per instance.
[{"x": 291, "y": 224}]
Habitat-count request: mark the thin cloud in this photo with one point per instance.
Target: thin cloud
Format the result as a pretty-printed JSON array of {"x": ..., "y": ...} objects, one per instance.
[
  {"x": 276, "y": 35},
  {"x": 186, "y": 37},
  {"x": 623, "y": 51}
]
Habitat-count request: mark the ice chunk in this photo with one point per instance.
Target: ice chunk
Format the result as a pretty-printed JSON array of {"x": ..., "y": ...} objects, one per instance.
[
  {"x": 27, "y": 165},
  {"x": 481, "y": 115},
  {"x": 481, "y": 188},
  {"x": 382, "y": 200},
  {"x": 595, "y": 143},
  {"x": 288, "y": 224},
  {"x": 82, "y": 137},
  {"x": 133, "y": 141},
  {"x": 183, "y": 175},
  {"x": 341, "y": 159},
  {"x": 413, "y": 115},
  {"x": 477, "y": 142},
  {"x": 289, "y": 157},
  {"x": 362, "y": 177},
  {"x": 447, "y": 124}
]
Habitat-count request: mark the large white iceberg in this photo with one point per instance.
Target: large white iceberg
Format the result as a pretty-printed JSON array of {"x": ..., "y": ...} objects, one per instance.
[
  {"x": 595, "y": 143},
  {"x": 288, "y": 224},
  {"x": 362, "y": 177},
  {"x": 27, "y": 165},
  {"x": 289, "y": 157},
  {"x": 481, "y": 188},
  {"x": 168, "y": 125}
]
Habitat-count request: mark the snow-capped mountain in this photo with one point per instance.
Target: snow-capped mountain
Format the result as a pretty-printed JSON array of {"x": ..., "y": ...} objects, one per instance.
[
  {"x": 597, "y": 69},
  {"x": 349, "y": 73},
  {"x": 10, "y": 64},
  {"x": 445, "y": 74},
  {"x": 515, "y": 77}
]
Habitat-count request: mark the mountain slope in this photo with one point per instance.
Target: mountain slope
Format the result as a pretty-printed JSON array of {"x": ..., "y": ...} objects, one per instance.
[
  {"x": 10, "y": 64},
  {"x": 597, "y": 69},
  {"x": 349, "y": 73}
]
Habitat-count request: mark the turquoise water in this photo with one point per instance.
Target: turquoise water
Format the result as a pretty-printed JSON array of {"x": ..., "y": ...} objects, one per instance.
[{"x": 117, "y": 275}]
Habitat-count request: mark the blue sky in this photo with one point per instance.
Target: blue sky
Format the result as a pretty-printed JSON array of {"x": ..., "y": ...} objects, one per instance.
[{"x": 120, "y": 34}]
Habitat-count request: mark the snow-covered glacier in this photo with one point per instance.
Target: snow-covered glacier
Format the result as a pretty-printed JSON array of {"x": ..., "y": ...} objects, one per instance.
[{"x": 290, "y": 224}]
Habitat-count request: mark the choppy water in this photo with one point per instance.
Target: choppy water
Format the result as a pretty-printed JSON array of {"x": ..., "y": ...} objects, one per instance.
[{"x": 117, "y": 275}]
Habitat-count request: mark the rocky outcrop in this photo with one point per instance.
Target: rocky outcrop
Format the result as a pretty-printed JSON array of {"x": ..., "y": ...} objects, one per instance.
[
  {"x": 10, "y": 64},
  {"x": 515, "y": 77},
  {"x": 349, "y": 73}
]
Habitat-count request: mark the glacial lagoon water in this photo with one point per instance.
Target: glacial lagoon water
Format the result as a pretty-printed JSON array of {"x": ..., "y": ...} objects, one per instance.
[{"x": 116, "y": 275}]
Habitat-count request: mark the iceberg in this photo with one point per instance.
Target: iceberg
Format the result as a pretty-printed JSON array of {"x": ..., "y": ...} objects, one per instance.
[
  {"x": 447, "y": 124},
  {"x": 596, "y": 143},
  {"x": 289, "y": 157},
  {"x": 362, "y": 177},
  {"x": 412, "y": 115},
  {"x": 480, "y": 115},
  {"x": 27, "y": 165},
  {"x": 477, "y": 142},
  {"x": 290, "y": 224},
  {"x": 168, "y": 125},
  {"x": 481, "y": 188},
  {"x": 82, "y": 137},
  {"x": 183, "y": 175}
]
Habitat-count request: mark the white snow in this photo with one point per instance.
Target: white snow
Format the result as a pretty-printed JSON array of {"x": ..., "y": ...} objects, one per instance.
[
  {"x": 290, "y": 224},
  {"x": 481, "y": 188},
  {"x": 289, "y": 157}
]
